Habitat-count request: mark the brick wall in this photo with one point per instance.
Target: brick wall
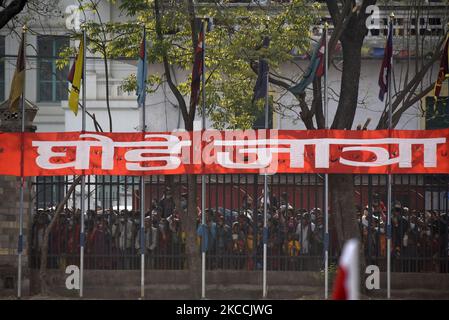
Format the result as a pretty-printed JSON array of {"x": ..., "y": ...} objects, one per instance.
[{"x": 9, "y": 212}]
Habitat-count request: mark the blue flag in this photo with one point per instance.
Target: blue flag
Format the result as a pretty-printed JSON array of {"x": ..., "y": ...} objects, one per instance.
[
  {"x": 142, "y": 72},
  {"x": 261, "y": 87},
  {"x": 315, "y": 69}
]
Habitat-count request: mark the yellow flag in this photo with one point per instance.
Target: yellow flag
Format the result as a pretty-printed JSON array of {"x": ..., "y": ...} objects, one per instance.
[
  {"x": 18, "y": 80},
  {"x": 75, "y": 75}
]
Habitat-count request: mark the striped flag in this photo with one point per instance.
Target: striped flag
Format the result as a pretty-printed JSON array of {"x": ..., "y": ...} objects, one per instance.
[
  {"x": 385, "y": 70},
  {"x": 142, "y": 72},
  {"x": 443, "y": 72},
  {"x": 18, "y": 80},
  {"x": 315, "y": 69},
  {"x": 75, "y": 76},
  {"x": 346, "y": 286}
]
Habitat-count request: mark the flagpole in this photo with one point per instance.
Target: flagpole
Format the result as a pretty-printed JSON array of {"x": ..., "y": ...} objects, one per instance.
[
  {"x": 447, "y": 39},
  {"x": 83, "y": 178},
  {"x": 22, "y": 179},
  {"x": 142, "y": 184},
  {"x": 389, "y": 199},
  {"x": 326, "y": 176},
  {"x": 203, "y": 177},
  {"x": 265, "y": 198}
]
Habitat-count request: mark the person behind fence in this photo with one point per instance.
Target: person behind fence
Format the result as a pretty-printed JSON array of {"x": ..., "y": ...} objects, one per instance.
[
  {"x": 293, "y": 249},
  {"x": 317, "y": 245},
  {"x": 284, "y": 200},
  {"x": 125, "y": 234},
  {"x": 148, "y": 237},
  {"x": 399, "y": 227},
  {"x": 98, "y": 244},
  {"x": 167, "y": 204},
  {"x": 238, "y": 246},
  {"x": 410, "y": 242},
  {"x": 304, "y": 231},
  {"x": 163, "y": 241},
  {"x": 275, "y": 241},
  {"x": 177, "y": 239},
  {"x": 223, "y": 242}
]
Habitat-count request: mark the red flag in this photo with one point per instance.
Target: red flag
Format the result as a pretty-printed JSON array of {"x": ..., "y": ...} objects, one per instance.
[
  {"x": 443, "y": 73},
  {"x": 320, "y": 55},
  {"x": 385, "y": 70},
  {"x": 346, "y": 286},
  {"x": 197, "y": 70}
]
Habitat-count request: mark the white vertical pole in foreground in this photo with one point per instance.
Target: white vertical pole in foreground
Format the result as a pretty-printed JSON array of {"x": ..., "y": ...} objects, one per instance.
[
  {"x": 83, "y": 178},
  {"x": 203, "y": 177},
  {"x": 326, "y": 176},
  {"x": 22, "y": 179},
  {"x": 142, "y": 186},
  {"x": 389, "y": 199},
  {"x": 265, "y": 199}
]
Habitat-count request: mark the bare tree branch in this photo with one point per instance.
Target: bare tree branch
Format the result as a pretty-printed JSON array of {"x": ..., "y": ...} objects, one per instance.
[{"x": 13, "y": 9}]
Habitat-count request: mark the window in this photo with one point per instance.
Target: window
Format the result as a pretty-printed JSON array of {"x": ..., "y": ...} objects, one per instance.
[
  {"x": 51, "y": 81},
  {"x": 2, "y": 68},
  {"x": 435, "y": 21},
  {"x": 437, "y": 116}
]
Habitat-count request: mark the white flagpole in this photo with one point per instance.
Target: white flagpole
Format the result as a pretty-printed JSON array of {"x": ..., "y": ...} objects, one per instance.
[
  {"x": 22, "y": 179},
  {"x": 389, "y": 198},
  {"x": 203, "y": 177},
  {"x": 265, "y": 199},
  {"x": 326, "y": 176},
  {"x": 142, "y": 188},
  {"x": 83, "y": 177}
]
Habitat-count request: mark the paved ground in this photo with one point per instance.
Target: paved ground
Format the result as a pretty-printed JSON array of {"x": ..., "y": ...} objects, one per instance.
[{"x": 416, "y": 294}]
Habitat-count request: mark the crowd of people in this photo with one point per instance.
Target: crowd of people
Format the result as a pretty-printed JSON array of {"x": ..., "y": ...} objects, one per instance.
[
  {"x": 233, "y": 239},
  {"x": 419, "y": 238}
]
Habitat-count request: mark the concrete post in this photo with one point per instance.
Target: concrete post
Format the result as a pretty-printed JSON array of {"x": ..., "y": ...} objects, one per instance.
[{"x": 9, "y": 210}]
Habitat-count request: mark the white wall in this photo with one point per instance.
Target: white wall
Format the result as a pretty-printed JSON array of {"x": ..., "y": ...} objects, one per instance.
[{"x": 163, "y": 114}]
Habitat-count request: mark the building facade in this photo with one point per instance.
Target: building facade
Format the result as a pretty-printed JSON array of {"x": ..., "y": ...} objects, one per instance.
[{"x": 47, "y": 87}]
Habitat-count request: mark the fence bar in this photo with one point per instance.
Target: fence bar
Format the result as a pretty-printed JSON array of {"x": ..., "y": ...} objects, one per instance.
[
  {"x": 142, "y": 180},
  {"x": 204, "y": 24},
  {"x": 83, "y": 177},
  {"x": 390, "y": 126},
  {"x": 326, "y": 176},
  {"x": 22, "y": 179},
  {"x": 265, "y": 199}
]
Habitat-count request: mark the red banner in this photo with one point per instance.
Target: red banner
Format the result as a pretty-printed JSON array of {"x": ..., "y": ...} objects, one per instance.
[{"x": 222, "y": 152}]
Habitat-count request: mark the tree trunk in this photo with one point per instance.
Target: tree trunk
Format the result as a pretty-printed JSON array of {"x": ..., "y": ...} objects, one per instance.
[
  {"x": 341, "y": 187},
  {"x": 192, "y": 250},
  {"x": 349, "y": 90}
]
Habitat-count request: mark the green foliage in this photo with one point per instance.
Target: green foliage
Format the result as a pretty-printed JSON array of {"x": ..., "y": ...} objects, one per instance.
[
  {"x": 332, "y": 272},
  {"x": 231, "y": 46}
]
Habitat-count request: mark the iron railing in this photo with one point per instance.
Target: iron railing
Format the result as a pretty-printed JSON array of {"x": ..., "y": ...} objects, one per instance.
[{"x": 234, "y": 222}]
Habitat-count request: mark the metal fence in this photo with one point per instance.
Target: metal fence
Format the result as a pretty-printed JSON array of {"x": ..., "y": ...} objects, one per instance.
[{"x": 235, "y": 222}]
